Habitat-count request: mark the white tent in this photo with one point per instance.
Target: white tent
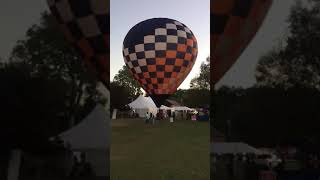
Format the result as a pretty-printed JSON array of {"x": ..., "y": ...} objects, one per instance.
[
  {"x": 92, "y": 133},
  {"x": 232, "y": 148},
  {"x": 92, "y": 136},
  {"x": 163, "y": 107},
  {"x": 151, "y": 101},
  {"x": 142, "y": 105},
  {"x": 182, "y": 108}
]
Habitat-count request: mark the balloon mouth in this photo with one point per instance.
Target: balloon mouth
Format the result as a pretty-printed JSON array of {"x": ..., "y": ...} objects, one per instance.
[{"x": 159, "y": 99}]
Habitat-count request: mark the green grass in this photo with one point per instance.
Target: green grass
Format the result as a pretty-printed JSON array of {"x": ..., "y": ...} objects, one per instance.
[{"x": 165, "y": 151}]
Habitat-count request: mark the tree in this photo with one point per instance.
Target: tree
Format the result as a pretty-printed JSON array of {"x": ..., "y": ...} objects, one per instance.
[
  {"x": 179, "y": 95},
  {"x": 268, "y": 116},
  {"x": 120, "y": 96},
  {"x": 125, "y": 79},
  {"x": 197, "y": 98},
  {"x": 31, "y": 107},
  {"x": 275, "y": 116},
  {"x": 192, "y": 97},
  {"x": 202, "y": 81},
  {"x": 223, "y": 103},
  {"x": 49, "y": 56},
  {"x": 197, "y": 95},
  {"x": 297, "y": 62},
  {"x": 270, "y": 72}
]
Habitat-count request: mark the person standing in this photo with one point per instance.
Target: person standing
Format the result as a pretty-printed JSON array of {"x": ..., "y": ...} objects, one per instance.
[
  {"x": 151, "y": 118},
  {"x": 147, "y": 117},
  {"x": 159, "y": 116},
  {"x": 172, "y": 117}
]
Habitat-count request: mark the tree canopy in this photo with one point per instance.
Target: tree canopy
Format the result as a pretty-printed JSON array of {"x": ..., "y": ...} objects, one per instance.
[
  {"x": 120, "y": 96},
  {"x": 46, "y": 87},
  {"x": 123, "y": 89},
  {"x": 296, "y": 62},
  {"x": 125, "y": 79},
  {"x": 202, "y": 81}
]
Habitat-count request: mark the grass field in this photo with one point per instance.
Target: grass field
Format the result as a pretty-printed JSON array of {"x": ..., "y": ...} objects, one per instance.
[{"x": 164, "y": 151}]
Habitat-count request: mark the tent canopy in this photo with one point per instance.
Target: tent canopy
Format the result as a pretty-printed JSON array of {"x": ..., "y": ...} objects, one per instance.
[
  {"x": 91, "y": 133},
  {"x": 182, "y": 108},
  {"x": 233, "y": 148},
  {"x": 143, "y": 103},
  {"x": 163, "y": 107}
]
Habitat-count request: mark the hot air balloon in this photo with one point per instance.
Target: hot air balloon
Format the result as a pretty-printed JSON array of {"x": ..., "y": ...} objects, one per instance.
[
  {"x": 160, "y": 53},
  {"x": 86, "y": 25},
  {"x": 234, "y": 23}
]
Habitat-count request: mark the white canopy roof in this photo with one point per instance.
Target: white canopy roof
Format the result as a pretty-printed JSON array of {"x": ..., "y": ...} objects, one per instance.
[
  {"x": 150, "y": 100},
  {"x": 92, "y": 133},
  {"x": 232, "y": 148},
  {"x": 163, "y": 107},
  {"x": 182, "y": 108},
  {"x": 143, "y": 103}
]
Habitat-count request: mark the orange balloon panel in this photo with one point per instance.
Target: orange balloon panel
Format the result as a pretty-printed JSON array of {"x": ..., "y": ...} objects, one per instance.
[
  {"x": 160, "y": 53},
  {"x": 234, "y": 23}
]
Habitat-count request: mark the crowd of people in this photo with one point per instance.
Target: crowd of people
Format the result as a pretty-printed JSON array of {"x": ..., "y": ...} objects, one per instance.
[{"x": 152, "y": 119}]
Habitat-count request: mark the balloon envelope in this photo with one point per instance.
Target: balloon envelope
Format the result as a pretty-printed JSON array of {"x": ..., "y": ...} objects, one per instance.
[
  {"x": 86, "y": 25},
  {"x": 234, "y": 23},
  {"x": 160, "y": 53}
]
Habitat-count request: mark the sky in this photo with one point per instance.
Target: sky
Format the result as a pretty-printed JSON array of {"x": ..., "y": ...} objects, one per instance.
[
  {"x": 17, "y": 16},
  {"x": 127, "y": 13}
]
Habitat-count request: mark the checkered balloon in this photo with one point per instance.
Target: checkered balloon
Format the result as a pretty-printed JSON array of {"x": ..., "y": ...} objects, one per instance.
[
  {"x": 86, "y": 25},
  {"x": 234, "y": 23},
  {"x": 160, "y": 53}
]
